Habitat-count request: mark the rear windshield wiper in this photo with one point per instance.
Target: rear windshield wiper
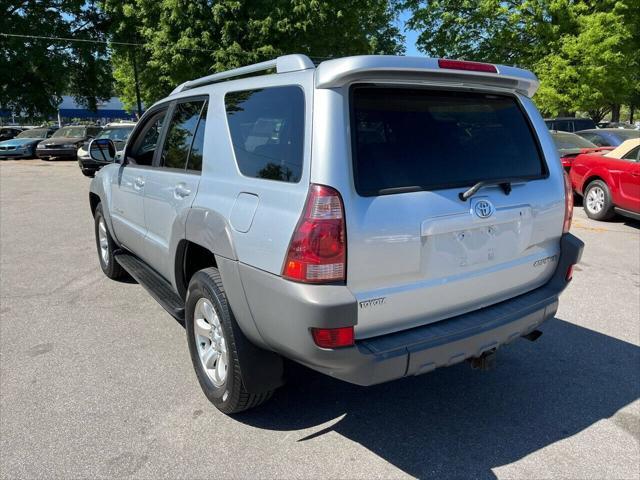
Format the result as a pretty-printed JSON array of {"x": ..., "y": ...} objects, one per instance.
[{"x": 504, "y": 183}]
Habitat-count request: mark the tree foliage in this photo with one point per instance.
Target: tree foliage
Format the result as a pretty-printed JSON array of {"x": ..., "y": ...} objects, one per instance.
[
  {"x": 182, "y": 40},
  {"x": 585, "y": 53},
  {"x": 36, "y": 72}
]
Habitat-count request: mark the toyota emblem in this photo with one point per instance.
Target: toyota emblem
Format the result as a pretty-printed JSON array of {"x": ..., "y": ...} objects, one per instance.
[{"x": 483, "y": 209}]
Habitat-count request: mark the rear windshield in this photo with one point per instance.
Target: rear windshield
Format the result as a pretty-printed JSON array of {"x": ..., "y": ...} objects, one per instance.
[
  {"x": 566, "y": 141},
  {"x": 408, "y": 139}
]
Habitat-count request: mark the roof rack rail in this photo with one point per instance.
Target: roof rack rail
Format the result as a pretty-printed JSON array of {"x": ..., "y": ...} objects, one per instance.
[{"x": 283, "y": 64}]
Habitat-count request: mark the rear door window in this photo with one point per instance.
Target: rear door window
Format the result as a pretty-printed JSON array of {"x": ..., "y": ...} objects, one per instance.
[
  {"x": 267, "y": 132},
  {"x": 408, "y": 139}
]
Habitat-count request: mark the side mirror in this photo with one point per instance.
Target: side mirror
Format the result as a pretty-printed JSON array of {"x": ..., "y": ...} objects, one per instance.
[{"x": 102, "y": 150}]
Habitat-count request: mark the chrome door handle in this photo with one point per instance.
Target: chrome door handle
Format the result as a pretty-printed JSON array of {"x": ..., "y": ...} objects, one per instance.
[
  {"x": 138, "y": 183},
  {"x": 181, "y": 191}
]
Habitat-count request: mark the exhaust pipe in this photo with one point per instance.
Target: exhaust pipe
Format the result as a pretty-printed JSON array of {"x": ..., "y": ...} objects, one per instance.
[
  {"x": 533, "y": 336},
  {"x": 485, "y": 362}
]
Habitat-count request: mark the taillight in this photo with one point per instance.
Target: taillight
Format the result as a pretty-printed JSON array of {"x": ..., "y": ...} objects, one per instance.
[
  {"x": 568, "y": 203},
  {"x": 317, "y": 252},
  {"x": 569, "y": 275},
  {"x": 333, "y": 337},
  {"x": 466, "y": 65}
]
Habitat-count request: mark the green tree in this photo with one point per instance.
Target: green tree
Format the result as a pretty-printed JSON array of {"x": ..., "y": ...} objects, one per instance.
[
  {"x": 182, "y": 40},
  {"x": 585, "y": 53},
  {"x": 35, "y": 72}
]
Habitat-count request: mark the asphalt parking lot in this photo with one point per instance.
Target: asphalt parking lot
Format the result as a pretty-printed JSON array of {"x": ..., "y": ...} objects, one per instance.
[{"x": 96, "y": 380}]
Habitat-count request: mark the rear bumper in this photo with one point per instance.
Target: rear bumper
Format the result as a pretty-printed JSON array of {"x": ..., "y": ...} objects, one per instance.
[{"x": 285, "y": 311}]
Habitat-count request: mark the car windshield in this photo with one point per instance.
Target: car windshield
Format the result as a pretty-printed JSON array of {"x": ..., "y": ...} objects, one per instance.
[
  {"x": 566, "y": 141},
  {"x": 119, "y": 134},
  {"x": 34, "y": 133},
  {"x": 70, "y": 132}
]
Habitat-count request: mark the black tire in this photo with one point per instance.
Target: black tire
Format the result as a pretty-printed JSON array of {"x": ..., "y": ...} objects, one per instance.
[
  {"x": 231, "y": 396},
  {"x": 594, "y": 189},
  {"x": 88, "y": 173},
  {"x": 111, "y": 267}
]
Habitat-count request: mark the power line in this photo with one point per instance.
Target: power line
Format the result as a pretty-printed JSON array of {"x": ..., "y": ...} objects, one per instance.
[{"x": 86, "y": 40}]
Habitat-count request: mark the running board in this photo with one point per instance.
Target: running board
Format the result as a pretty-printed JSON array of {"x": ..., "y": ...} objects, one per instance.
[{"x": 157, "y": 286}]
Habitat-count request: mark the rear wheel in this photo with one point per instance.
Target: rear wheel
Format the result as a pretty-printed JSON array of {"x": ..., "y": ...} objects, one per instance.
[
  {"x": 211, "y": 334},
  {"x": 597, "y": 201},
  {"x": 106, "y": 247}
]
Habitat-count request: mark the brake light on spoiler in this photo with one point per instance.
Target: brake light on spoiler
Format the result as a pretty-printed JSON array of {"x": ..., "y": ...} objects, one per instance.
[{"x": 466, "y": 65}]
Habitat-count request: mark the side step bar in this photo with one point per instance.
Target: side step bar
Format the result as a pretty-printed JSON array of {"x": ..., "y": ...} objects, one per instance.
[{"x": 157, "y": 286}]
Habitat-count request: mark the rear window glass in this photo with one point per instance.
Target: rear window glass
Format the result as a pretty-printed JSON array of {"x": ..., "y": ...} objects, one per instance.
[
  {"x": 566, "y": 141},
  {"x": 267, "y": 131},
  {"x": 417, "y": 139}
]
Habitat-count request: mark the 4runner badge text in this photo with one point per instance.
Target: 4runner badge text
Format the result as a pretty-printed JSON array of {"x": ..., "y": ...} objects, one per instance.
[
  {"x": 373, "y": 302},
  {"x": 545, "y": 260}
]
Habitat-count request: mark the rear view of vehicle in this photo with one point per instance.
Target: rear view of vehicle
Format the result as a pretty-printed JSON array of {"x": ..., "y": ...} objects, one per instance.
[{"x": 373, "y": 217}]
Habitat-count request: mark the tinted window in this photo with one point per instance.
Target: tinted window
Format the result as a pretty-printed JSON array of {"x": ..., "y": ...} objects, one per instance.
[
  {"x": 624, "y": 134},
  {"x": 267, "y": 131},
  {"x": 195, "y": 155},
  {"x": 144, "y": 145},
  {"x": 180, "y": 134},
  {"x": 412, "y": 139},
  {"x": 633, "y": 154},
  {"x": 583, "y": 124},
  {"x": 562, "y": 125}
]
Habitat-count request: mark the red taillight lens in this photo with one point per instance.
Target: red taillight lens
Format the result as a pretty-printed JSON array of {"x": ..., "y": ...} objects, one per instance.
[
  {"x": 568, "y": 204},
  {"x": 569, "y": 273},
  {"x": 465, "y": 65},
  {"x": 333, "y": 337},
  {"x": 317, "y": 252}
]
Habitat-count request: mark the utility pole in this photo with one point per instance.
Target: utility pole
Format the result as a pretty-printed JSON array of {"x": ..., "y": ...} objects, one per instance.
[{"x": 135, "y": 78}]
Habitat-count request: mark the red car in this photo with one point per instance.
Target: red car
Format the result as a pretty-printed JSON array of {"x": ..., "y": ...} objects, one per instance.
[
  {"x": 570, "y": 145},
  {"x": 609, "y": 182}
]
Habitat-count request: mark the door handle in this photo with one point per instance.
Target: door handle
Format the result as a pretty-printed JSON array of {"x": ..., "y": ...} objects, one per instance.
[
  {"x": 181, "y": 191},
  {"x": 138, "y": 183}
]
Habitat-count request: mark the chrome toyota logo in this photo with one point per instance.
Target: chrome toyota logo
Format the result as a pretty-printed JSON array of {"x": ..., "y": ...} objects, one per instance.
[{"x": 483, "y": 209}]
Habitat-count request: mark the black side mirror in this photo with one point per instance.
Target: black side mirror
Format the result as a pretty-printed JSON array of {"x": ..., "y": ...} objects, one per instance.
[{"x": 102, "y": 150}]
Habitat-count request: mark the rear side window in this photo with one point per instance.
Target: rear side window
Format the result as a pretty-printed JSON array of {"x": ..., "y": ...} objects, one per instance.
[
  {"x": 416, "y": 139},
  {"x": 267, "y": 132},
  {"x": 181, "y": 133}
]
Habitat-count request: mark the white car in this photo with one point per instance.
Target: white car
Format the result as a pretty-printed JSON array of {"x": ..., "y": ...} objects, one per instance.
[{"x": 117, "y": 132}]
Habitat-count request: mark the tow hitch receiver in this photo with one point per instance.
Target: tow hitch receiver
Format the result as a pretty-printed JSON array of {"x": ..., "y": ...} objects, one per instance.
[{"x": 485, "y": 362}]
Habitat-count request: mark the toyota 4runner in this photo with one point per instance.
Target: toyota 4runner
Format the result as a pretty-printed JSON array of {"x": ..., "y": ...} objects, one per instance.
[{"x": 372, "y": 218}]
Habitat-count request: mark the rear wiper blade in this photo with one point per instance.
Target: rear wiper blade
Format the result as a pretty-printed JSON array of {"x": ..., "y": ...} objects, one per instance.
[{"x": 504, "y": 183}]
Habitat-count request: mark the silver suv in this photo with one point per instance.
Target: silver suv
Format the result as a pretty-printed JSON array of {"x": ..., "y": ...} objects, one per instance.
[{"x": 372, "y": 218}]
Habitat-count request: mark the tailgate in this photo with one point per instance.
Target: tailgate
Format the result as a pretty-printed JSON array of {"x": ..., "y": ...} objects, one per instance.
[{"x": 417, "y": 253}]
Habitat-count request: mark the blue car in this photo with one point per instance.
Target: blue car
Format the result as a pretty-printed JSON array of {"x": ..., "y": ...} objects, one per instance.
[
  {"x": 609, "y": 137},
  {"x": 24, "y": 145}
]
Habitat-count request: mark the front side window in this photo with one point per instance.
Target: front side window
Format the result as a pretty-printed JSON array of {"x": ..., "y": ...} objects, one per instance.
[
  {"x": 267, "y": 132},
  {"x": 182, "y": 130},
  {"x": 409, "y": 139},
  {"x": 144, "y": 145}
]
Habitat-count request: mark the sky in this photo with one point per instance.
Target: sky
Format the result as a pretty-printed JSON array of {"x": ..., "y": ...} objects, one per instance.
[{"x": 410, "y": 36}]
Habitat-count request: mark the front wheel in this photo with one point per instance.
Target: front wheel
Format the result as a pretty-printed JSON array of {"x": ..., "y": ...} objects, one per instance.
[
  {"x": 106, "y": 247},
  {"x": 211, "y": 334},
  {"x": 597, "y": 201}
]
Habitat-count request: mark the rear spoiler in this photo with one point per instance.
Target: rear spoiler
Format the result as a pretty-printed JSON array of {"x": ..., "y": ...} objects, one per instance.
[{"x": 341, "y": 71}]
